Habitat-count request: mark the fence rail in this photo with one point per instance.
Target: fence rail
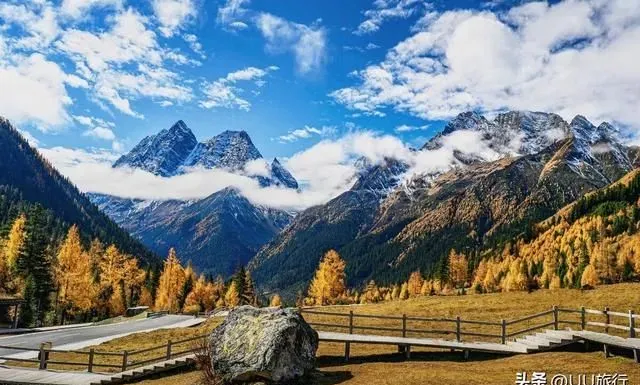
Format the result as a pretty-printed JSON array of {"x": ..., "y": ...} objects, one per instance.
[
  {"x": 397, "y": 324},
  {"x": 501, "y": 330},
  {"x": 125, "y": 358}
]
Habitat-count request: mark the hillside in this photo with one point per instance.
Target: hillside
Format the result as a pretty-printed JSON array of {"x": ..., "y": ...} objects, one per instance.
[
  {"x": 599, "y": 232},
  {"x": 478, "y": 204},
  {"x": 29, "y": 182}
]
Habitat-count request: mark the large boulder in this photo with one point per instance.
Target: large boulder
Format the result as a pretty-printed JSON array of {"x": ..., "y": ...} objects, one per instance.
[{"x": 263, "y": 345}]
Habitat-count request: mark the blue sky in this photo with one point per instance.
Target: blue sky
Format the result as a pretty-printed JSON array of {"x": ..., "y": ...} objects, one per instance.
[
  {"x": 291, "y": 98},
  {"x": 90, "y": 78}
]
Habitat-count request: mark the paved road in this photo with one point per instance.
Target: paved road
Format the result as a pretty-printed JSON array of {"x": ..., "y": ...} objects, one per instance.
[{"x": 85, "y": 336}]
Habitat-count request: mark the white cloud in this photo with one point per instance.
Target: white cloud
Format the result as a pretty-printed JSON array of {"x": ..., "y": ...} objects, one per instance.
[
  {"x": 238, "y": 25},
  {"x": 173, "y": 14},
  {"x": 194, "y": 44},
  {"x": 324, "y": 170},
  {"x": 407, "y": 128},
  {"x": 37, "y": 21},
  {"x": 573, "y": 57},
  {"x": 308, "y": 43},
  {"x": 224, "y": 93},
  {"x": 31, "y": 79},
  {"x": 306, "y": 132},
  {"x": 100, "y": 133},
  {"x": 231, "y": 14},
  {"x": 383, "y": 11},
  {"x": 78, "y": 8},
  {"x": 125, "y": 63}
]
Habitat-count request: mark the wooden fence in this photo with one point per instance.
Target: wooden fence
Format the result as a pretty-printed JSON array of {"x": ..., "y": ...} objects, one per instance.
[
  {"x": 403, "y": 325},
  {"x": 121, "y": 361},
  {"x": 460, "y": 329}
]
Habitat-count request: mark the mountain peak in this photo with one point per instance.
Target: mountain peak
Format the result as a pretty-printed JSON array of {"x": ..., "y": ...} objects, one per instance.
[
  {"x": 161, "y": 154},
  {"x": 229, "y": 150},
  {"x": 469, "y": 120},
  {"x": 282, "y": 176}
]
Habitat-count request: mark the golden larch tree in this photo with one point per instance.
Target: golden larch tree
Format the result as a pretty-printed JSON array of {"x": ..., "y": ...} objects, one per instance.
[
  {"x": 414, "y": 285},
  {"x": 232, "y": 296},
  {"x": 276, "y": 301},
  {"x": 15, "y": 242},
  {"x": 458, "y": 269},
  {"x": 589, "y": 278},
  {"x": 329, "y": 281},
  {"x": 171, "y": 282},
  {"x": 72, "y": 271}
]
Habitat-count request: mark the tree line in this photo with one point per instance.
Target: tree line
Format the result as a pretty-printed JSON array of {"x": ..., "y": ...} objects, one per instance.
[{"x": 70, "y": 281}]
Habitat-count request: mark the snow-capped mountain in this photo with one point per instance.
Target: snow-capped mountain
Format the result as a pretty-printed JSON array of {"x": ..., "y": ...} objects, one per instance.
[
  {"x": 542, "y": 163},
  {"x": 510, "y": 133},
  {"x": 176, "y": 150},
  {"x": 219, "y": 232},
  {"x": 162, "y": 154}
]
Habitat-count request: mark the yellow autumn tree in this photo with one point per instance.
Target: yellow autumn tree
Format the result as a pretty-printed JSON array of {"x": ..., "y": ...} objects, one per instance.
[
  {"x": 112, "y": 271},
  {"x": 171, "y": 282},
  {"x": 201, "y": 298},
  {"x": 589, "y": 278},
  {"x": 232, "y": 296},
  {"x": 276, "y": 301},
  {"x": 15, "y": 242},
  {"x": 404, "y": 291},
  {"x": 72, "y": 272},
  {"x": 414, "y": 285},
  {"x": 458, "y": 269},
  {"x": 329, "y": 281}
]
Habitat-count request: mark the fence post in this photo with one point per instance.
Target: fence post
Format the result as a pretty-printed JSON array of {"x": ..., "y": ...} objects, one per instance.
[
  {"x": 607, "y": 319},
  {"x": 169, "y": 350},
  {"x": 404, "y": 325},
  {"x": 583, "y": 318},
  {"x": 125, "y": 357},
  {"x": 503, "y": 335},
  {"x": 347, "y": 345},
  {"x": 43, "y": 359},
  {"x": 555, "y": 317},
  {"x": 90, "y": 366},
  {"x": 458, "y": 329},
  {"x": 632, "y": 325}
]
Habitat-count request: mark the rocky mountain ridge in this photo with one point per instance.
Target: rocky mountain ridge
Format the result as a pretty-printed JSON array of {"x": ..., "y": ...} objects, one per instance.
[{"x": 544, "y": 163}]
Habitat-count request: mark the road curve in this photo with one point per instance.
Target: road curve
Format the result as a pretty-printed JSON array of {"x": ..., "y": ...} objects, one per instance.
[{"x": 78, "y": 338}]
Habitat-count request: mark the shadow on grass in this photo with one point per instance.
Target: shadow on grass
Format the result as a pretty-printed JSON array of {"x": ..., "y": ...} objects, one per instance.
[
  {"x": 442, "y": 356},
  {"x": 333, "y": 361}
]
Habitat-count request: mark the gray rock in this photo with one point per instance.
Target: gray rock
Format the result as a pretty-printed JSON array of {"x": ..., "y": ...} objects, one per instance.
[{"x": 270, "y": 344}]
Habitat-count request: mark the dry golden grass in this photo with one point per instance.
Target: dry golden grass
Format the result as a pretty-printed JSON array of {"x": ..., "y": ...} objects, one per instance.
[
  {"x": 130, "y": 343},
  {"x": 372, "y": 364}
]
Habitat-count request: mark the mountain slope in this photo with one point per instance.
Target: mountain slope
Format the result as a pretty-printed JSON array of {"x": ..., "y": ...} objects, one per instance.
[
  {"x": 475, "y": 204},
  {"x": 26, "y": 178},
  {"x": 217, "y": 233}
]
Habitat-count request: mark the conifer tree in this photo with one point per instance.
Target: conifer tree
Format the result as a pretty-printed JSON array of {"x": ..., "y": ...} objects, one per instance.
[
  {"x": 232, "y": 297},
  {"x": 34, "y": 261},
  {"x": 329, "y": 281},
  {"x": 201, "y": 298},
  {"x": 73, "y": 276},
  {"x": 249, "y": 294},
  {"x": 171, "y": 282},
  {"x": 414, "y": 285},
  {"x": 404, "y": 291},
  {"x": 276, "y": 301},
  {"x": 589, "y": 278},
  {"x": 458, "y": 269},
  {"x": 15, "y": 242}
]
